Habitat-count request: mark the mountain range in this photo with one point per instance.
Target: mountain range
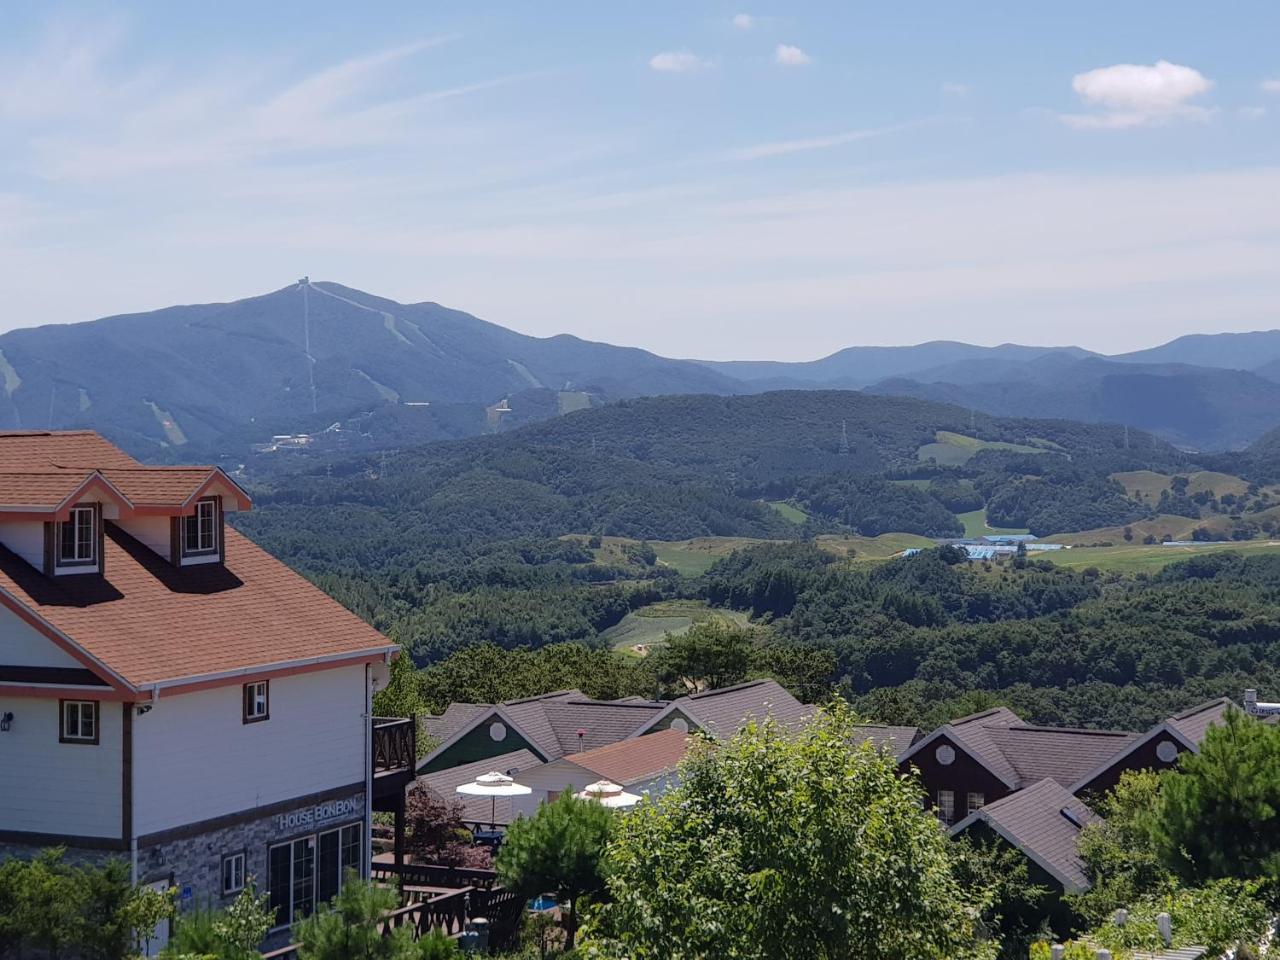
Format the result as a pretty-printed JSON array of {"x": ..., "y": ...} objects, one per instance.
[{"x": 316, "y": 355}]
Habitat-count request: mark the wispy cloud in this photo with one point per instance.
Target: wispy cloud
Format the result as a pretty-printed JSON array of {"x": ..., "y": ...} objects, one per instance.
[
  {"x": 953, "y": 89},
  {"x": 789, "y": 56},
  {"x": 676, "y": 61},
  {"x": 1271, "y": 86},
  {"x": 781, "y": 148},
  {"x": 744, "y": 21},
  {"x": 1137, "y": 95}
]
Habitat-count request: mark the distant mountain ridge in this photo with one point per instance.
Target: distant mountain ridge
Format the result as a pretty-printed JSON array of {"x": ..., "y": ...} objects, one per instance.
[
  {"x": 189, "y": 373},
  {"x": 187, "y": 381}
]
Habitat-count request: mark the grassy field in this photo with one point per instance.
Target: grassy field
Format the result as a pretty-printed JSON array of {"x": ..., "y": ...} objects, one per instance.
[
  {"x": 975, "y": 525},
  {"x": 692, "y": 558},
  {"x": 955, "y": 449},
  {"x": 641, "y": 630},
  {"x": 1147, "y": 559},
  {"x": 871, "y": 548},
  {"x": 789, "y": 510},
  {"x": 1148, "y": 485}
]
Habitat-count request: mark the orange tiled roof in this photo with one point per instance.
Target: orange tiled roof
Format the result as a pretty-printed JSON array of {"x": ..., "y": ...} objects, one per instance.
[
  {"x": 640, "y": 758},
  {"x": 35, "y": 451},
  {"x": 39, "y": 489},
  {"x": 149, "y": 621},
  {"x": 63, "y": 459}
]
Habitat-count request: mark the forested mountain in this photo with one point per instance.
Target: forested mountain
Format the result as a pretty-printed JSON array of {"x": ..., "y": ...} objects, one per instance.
[
  {"x": 1196, "y": 407},
  {"x": 189, "y": 374}
]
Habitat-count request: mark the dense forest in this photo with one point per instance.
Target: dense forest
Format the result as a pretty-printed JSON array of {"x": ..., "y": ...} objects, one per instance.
[{"x": 539, "y": 540}]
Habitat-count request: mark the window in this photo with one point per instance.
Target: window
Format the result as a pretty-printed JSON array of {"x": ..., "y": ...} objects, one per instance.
[
  {"x": 232, "y": 874},
  {"x": 200, "y": 531},
  {"x": 310, "y": 871},
  {"x": 78, "y": 538},
  {"x": 975, "y": 802},
  {"x": 946, "y": 806},
  {"x": 256, "y": 701},
  {"x": 79, "y": 721}
]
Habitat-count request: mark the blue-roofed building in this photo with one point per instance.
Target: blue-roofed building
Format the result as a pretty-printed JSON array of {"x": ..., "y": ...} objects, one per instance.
[
  {"x": 1008, "y": 538},
  {"x": 981, "y": 553}
]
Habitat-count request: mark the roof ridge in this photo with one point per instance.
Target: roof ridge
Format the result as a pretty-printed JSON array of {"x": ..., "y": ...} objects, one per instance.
[
  {"x": 1072, "y": 730},
  {"x": 704, "y": 694},
  {"x": 969, "y": 718},
  {"x": 1201, "y": 708},
  {"x": 537, "y": 697}
]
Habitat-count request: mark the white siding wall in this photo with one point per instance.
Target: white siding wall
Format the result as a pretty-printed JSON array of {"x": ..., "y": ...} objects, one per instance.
[
  {"x": 152, "y": 531},
  {"x": 26, "y": 539},
  {"x": 63, "y": 788},
  {"x": 195, "y": 759},
  {"x": 21, "y": 645}
]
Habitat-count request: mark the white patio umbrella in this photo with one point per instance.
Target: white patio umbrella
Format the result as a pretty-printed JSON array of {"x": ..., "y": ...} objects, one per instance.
[
  {"x": 609, "y": 794},
  {"x": 493, "y": 785}
]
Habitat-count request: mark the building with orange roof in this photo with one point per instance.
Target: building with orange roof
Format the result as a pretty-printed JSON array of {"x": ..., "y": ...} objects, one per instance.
[{"x": 172, "y": 694}]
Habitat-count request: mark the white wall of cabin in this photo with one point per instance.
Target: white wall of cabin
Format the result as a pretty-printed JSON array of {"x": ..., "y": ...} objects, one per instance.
[
  {"x": 22, "y": 645},
  {"x": 194, "y": 758},
  {"x": 26, "y": 539},
  {"x": 153, "y": 532},
  {"x": 70, "y": 789}
]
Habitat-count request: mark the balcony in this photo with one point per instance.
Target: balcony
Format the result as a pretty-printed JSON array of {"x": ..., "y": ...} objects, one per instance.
[{"x": 395, "y": 753}]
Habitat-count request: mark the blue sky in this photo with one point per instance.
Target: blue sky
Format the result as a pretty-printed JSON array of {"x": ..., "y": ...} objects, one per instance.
[{"x": 700, "y": 179}]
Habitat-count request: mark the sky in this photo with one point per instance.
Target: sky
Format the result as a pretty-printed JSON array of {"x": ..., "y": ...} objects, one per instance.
[{"x": 725, "y": 181}]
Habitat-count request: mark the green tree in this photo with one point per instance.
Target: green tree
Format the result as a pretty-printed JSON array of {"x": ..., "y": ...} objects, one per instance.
[
  {"x": 349, "y": 927},
  {"x": 1017, "y": 910},
  {"x": 560, "y": 848},
  {"x": 787, "y": 847},
  {"x": 1220, "y": 812},
  {"x": 48, "y": 904},
  {"x": 709, "y": 655},
  {"x": 1119, "y": 852},
  {"x": 235, "y": 933}
]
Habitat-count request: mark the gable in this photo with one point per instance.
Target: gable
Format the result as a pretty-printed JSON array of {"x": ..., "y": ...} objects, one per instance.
[
  {"x": 672, "y": 720},
  {"x": 490, "y": 736},
  {"x": 22, "y": 645},
  {"x": 1158, "y": 751},
  {"x": 963, "y": 774}
]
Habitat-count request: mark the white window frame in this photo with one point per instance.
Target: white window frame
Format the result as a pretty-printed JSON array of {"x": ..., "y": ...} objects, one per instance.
[
  {"x": 206, "y": 524},
  {"x": 77, "y": 707},
  {"x": 233, "y": 873},
  {"x": 256, "y": 701},
  {"x": 974, "y": 801},
  {"x": 84, "y": 548},
  {"x": 947, "y": 806}
]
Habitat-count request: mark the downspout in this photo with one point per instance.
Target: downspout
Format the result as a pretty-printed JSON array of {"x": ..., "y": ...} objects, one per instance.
[
  {"x": 133, "y": 788},
  {"x": 367, "y": 859}
]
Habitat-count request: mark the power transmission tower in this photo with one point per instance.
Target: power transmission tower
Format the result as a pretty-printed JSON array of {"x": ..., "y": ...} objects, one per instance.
[{"x": 844, "y": 438}]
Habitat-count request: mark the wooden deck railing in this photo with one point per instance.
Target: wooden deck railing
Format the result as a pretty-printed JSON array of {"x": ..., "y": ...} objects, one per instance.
[
  {"x": 394, "y": 744},
  {"x": 474, "y": 893}
]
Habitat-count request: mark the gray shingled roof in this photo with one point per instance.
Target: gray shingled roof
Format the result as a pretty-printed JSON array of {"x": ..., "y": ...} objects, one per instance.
[
  {"x": 444, "y": 783},
  {"x": 1020, "y": 753},
  {"x": 1044, "y": 822},
  {"x": 723, "y": 712},
  {"x": 896, "y": 740},
  {"x": 552, "y": 721},
  {"x": 1195, "y": 722}
]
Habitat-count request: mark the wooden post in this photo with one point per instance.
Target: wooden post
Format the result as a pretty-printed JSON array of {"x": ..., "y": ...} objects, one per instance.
[{"x": 399, "y": 841}]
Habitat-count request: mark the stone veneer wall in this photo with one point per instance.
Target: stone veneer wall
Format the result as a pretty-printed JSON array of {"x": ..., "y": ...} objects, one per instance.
[{"x": 195, "y": 863}]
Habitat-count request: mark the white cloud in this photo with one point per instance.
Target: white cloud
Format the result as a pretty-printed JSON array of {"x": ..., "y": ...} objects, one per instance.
[
  {"x": 675, "y": 61},
  {"x": 1138, "y": 95},
  {"x": 790, "y": 56},
  {"x": 1271, "y": 86},
  {"x": 1252, "y": 113},
  {"x": 953, "y": 89},
  {"x": 744, "y": 21}
]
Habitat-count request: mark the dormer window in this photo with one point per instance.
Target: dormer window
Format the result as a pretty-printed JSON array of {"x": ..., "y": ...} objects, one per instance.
[
  {"x": 77, "y": 538},
  {"x": 200, "y": 531}
]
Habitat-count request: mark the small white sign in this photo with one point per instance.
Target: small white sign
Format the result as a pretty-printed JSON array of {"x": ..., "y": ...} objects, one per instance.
[{"x": 319, "y": 815}]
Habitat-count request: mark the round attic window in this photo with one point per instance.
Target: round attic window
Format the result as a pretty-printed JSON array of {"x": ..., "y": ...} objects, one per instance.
[
  {"x": 680, "y": 724},
  {"x": 497, "y": 731},
  {"x": 946, "y": 754},
  {"x": 1167, "y": 751}
]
